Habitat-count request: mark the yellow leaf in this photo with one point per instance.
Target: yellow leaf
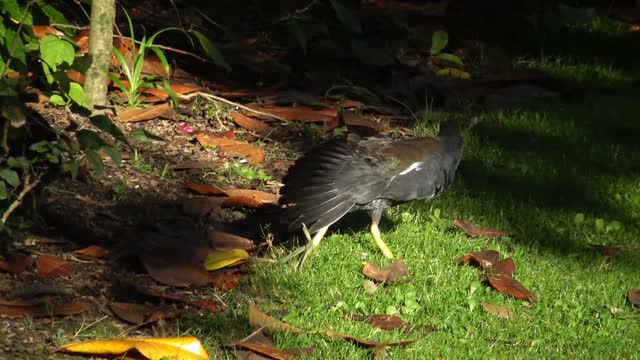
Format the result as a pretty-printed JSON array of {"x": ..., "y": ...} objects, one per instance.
[
  {"x": 454, "y": 73},
  {"x": 219, "y": 259},
  {"x": 184, "y": 348}
]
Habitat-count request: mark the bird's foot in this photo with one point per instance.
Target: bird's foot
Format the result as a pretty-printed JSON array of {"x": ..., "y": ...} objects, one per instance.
[{"x": 375, "y": 232}]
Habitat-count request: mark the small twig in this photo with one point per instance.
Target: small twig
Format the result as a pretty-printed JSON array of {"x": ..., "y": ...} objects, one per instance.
[
  {"x": 228, "y": 102},
  {"x": 28, "y": 186}
]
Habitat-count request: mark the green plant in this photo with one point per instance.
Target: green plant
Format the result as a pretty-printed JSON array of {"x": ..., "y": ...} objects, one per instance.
[
  {"x": 247, "y": 171},
  {"x": 139, "y": 163},
  {"x": 121, "y": 191},
  {"x": 133, "y": 70}
]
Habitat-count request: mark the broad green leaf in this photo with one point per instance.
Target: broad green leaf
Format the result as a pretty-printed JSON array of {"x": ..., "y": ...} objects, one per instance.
[
  {"x": 143, "y": 135},
  {"x": 95, "y": 161},
  {"x": 219, "y": 259},
  {"x": 451, "y": 58},
  {"x": 74, "y": 167},
  {"x": 439, "y": 41},
  {"x": 19, "y": 162},
  {"x": 54, "y": 14},
  {"x": 89, "y": 139},
  {"x": 105, "y": 124},
  {"x": 18, "y": 50},
  {"x": 579, "y": 219},
  {"x": 77, "y": 94},
  {"x": 454, "y": 73},
  {"x": 55, "y": 51},
  {"x": 18, "y": 14},
  {"x": 600, "y": 225},
  {"x": 347, "y": 16},
  {"x": 40, "y": 147},
  {"x": 57, "y": 99},
  {"x": 211, "y": 50},
  {"x": 10, "y": 176},
  {"x": 614, "y": 226},
  {"x": 113, "y": 153},
  {"x": 3, "y": 190}
]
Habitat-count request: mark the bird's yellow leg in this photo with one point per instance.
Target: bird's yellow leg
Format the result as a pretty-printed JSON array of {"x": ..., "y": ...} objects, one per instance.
[
  {"x": 315, "y": 241},
  {"x": 375, "y": 231}
]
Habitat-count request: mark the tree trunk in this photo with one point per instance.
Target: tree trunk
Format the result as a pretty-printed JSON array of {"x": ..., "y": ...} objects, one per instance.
[{"x": 100, "y": 44}]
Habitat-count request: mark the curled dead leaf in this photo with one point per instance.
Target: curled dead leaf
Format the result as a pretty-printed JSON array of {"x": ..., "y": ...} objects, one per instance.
[
  {"x": 41, "y": 308},
  {"x": 175, "y": 273},
  {"x": 499, "y": 311},
  {"x": 511, "y": 287},
  {"x": 93, "y": 251},
  {"x": 484, "y": 258},
  {"x": 634, "y": 296},
  {"x": 474, "y": 230},
  {"x": 16, "y": 263},
  {"x": 504, "y": 268},
  {"x": 251, "y": 153},
  {"x": 367, "y": 343},
  {"x": 257, "y": 319},
  {"x": 393, "y": 273},
  {"x": 142, "y": 114},
  {"x": 221, "y": 241},
  {"x": 50, "y": 266},
  {"x": 257, "y": 126},
  {"x": 184, "y": 348}
]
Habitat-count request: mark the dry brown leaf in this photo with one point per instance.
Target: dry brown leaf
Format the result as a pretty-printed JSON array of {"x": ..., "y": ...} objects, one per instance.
[
  {"x": 634, "y": 296},
  {"x": 221, "y": 241},
  {"x": 16, "y": 263},
  {"x": 178, "y": 89},
  {"x": 258, "y": 319},
  {"x": 50, "y": 266},
  {"x": 354, "y": 119},
  {"x": 503, "y": 268},
  {"x": 395, "y": 272},
  {"x": 143, "y": 114},
  {"x": 474, "y": 230},
  {"x": 267, "y": 350},
  {"x": 263, "y": 197},
  {"x": 484, "y": 258},
  {"x": 202, "y": 205},
  {"x": 131, "y": 313},
  {"x": 297, "y": 113},
  {"x": 367, "y": 343},
  {"x": 243, "y": 202},
  {"x": 185, "y": 348},
  {"x": 257, "y": 126},
  {"x": 511, "y": 287},
  {"x": 205, "y": 189},
  {"x": 370, "y": 286},
  {"x": 499, "y": 311},
  {"x": 175, "y": 273},
  {"x": 41, "y": 308},
  {"x": 251, "y": 153},
  {"x": 41, "y": 31},
  {"x": 93, "y": 251}
]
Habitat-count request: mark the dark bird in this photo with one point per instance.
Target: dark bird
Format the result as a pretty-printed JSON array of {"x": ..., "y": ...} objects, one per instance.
[{"x": 366, "y": 173}]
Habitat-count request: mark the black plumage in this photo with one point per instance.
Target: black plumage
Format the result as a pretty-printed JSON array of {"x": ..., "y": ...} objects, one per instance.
[{"x": 371, "y": 173}]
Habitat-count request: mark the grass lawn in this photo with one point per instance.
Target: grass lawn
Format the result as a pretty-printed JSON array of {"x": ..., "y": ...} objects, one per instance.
[{"x": 531, "y": 171}]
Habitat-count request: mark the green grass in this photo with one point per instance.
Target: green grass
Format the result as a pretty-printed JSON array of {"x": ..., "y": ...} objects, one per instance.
[{"x": 531, "y": 171}]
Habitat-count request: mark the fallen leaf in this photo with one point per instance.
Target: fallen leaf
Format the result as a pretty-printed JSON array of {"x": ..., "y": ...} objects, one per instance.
[
  {"x": 16, "y": 263},
  {"x": 297, "y": 113},
  {"x": 220, "y": 259},
  {"x": 511, "y": 287},
  {"x": 474, "y": 230},
  {"x": 178, "y": 89},
  {"x": 220, "y": 240},
  {"x": 267, "y": 350},
  {"x": 231, "y": 135},
  {"x": 244, "y": 202},
  {"x": 50, "y": 266},
  {"x": 499, "y": 311},
  {"x": 634, "y": 296},
  {"x": 368, "y": 343},
  {"x": 258, "y": 319},
  {"x": 41, "y": 240},
  {"x": 454, "y": 73},
  {"x": 93, "y": 251},
  {"x": 262, "y": 196},
  {"x": 257, "y": 126},
  {"x": 131, "y": 313},
  {"x": 370, "y": 286},
  {"x": 225, "y": 280},
  {"x": 395, "y": 272},
  {"x": 484, "y": 258},
  {"x": 175, "y": 273},
  {"x": 41, "y": 31},
  {"x": 251, "y": 153},
  {"x": 202, "y": 206},
  {"x": 205, "y": 189},
  {"x": 351, "y": 118},
  {"x": 143, "y": 114},
  {"x": 208, "y": 305},
  {"x": 184, "y": 348},
  {"x": 41, "y": 308},
  {"x": 504, "y": 268},
  {"x": 611, "y": 251}
]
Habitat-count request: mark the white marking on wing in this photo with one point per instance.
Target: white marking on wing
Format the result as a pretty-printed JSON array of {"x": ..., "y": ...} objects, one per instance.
[{"x": 415, "y": 166}]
